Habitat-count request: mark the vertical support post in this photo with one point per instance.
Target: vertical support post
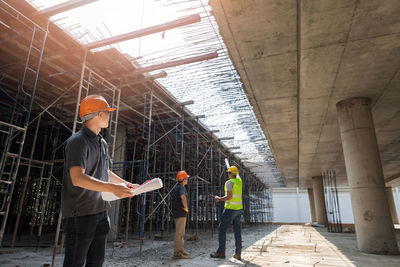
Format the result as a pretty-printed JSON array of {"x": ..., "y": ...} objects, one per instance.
[
  {"x": 146, "y": 174},
  {"x": 373, "y": 221},
  {"x": 392, "y": 206},
  {"x": 78, "y": 99},
  {"x": 212, "y": 186},
  {"x": 128, "y": 205},
  {"x": 152, "y": 193},
  {"x": 182, "y": 140},
  {"x": 312, "y": 204},
  {"x": 197, "y": 182},
  {"x": 319, "y": 199}
]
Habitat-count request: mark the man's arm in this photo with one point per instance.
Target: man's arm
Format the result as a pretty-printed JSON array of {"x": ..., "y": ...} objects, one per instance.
[
  {"x": 184, "y": 203},
  {"x": 114, "y": 178},
  {"x": 80, "y": 179},
  {"x": 224, "y": 198}
]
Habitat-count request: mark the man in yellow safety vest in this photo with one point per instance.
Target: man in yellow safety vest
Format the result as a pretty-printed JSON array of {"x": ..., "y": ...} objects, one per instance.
[{"x": 231, "y": 214}]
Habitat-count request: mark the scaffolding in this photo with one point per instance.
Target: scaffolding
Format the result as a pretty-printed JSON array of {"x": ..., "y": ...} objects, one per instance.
[
  {"x": 14, "y": 129},
  {"x": 204, "y": 161},
  {"x": 160, "y": 137}
]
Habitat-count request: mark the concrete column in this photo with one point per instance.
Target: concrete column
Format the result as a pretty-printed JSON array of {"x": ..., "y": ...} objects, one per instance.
[
  {"x": 392, "y": 206},
  {"x": 312, "y": 204},
  {"x": 319, "y": 200},
  {"x": 372, "y": 218}
]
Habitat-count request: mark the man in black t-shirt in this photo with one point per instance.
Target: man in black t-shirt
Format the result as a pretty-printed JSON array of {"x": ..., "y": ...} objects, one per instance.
[
  {"x": 86, "y": 175},
  {"x": 179, "y": 212}
]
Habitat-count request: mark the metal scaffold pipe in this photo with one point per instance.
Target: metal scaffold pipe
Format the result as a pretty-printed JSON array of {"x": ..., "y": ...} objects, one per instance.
[{"x": 147, "y": 31}]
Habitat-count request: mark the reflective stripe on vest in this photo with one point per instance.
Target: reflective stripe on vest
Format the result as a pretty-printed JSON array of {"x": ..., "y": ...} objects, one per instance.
[{"x": 235, "y": 203}]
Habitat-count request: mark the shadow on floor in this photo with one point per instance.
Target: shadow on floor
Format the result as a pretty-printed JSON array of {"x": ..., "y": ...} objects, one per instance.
[{"x": 346, "y": 243}]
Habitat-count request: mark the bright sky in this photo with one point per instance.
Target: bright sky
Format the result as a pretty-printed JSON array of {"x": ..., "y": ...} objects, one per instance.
[
  {"x": 114, "y": 17},
  {"x": 216, "y": 92}
]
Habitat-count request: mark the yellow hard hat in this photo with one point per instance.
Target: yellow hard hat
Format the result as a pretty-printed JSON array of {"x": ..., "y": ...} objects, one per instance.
[{"x": 233, "y": 169}]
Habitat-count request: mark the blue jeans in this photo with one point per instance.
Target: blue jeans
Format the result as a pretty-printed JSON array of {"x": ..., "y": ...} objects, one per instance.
[
  {"x": 228, "y": 217},
  {"x": 85, "y": 239}
]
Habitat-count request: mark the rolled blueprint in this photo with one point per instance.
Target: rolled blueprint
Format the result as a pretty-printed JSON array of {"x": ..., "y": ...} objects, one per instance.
[
  {"x": 227, "y": 163},
  {"x": 151, "y": 185}
]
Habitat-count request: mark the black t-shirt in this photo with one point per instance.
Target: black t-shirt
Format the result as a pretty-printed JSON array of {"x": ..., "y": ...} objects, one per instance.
[
  {"x": 177, "y": 205},
  {"x": 87, "y": 150}
]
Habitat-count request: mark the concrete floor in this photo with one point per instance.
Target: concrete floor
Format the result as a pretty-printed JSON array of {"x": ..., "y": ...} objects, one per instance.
[
  {"x": 297, "y": 245},
  {"x": 291, "y": 245}
]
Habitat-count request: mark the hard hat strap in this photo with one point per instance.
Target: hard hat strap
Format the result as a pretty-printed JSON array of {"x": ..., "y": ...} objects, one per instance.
[{"x": 89, "y": 116}]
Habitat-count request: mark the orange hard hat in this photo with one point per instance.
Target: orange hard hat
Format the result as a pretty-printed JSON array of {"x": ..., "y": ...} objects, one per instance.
[
  {"x": 93, "y": 103},
  {"x": 181, "y": 175}
]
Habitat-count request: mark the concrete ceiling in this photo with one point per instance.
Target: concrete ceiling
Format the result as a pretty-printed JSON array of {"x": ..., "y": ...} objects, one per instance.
[{"x": 297, "y": 59}]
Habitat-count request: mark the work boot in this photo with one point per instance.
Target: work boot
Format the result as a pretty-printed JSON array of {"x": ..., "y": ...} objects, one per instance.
[
  {"x": 217, "y": 255},
  {"x": 181, "y": 256},
  {"x": 185, "y": 253},
  {"x": 237, "y": 256}
]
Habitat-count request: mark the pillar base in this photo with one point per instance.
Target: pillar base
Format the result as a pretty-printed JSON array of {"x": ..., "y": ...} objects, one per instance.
[
  {"x": 373, "y": 221},
  {"x": 374, "y": 228}
]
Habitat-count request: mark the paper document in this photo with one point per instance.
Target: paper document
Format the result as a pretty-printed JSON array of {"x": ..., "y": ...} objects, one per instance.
[
  {"x": 151, "y": 185},
  {"x": 227, "y": 163}
]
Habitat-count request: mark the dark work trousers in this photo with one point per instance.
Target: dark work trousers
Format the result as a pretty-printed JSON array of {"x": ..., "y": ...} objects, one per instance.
[
  {"x": 230, "y": 217},
  {"x": 85, "y": 239}
]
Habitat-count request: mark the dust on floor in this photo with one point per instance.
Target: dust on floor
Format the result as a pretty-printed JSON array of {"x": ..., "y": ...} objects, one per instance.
[
  {"x": 154, "y": 252},
  {"x": 263, "y": 245}
]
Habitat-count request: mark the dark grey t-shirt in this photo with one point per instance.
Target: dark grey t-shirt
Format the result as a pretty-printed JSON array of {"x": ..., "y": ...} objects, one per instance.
[
  {"x": 87, "y": 150},
  {"x": 177, "y": 201}
]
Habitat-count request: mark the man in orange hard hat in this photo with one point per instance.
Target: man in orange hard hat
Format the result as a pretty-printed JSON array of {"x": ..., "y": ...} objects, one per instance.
[
  {"x": 179, "y": 212},
  {"x": 86, "y": 174}
]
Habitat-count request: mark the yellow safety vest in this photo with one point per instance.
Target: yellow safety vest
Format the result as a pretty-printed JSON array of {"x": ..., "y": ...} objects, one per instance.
[{"x": 235, "y": 203}]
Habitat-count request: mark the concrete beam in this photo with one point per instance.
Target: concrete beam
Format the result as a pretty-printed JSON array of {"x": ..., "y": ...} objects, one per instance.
[{"x": 143, "y": 32}]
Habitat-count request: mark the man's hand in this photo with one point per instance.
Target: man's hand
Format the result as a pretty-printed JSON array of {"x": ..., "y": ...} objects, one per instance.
[
  {"x": 227, "y": 197},
  {"x": 132, "y": 186},
  {"x": 115, "y": 179},
  {"x": 185, "y": 210},
  {"x": 121, "y": 190}
]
